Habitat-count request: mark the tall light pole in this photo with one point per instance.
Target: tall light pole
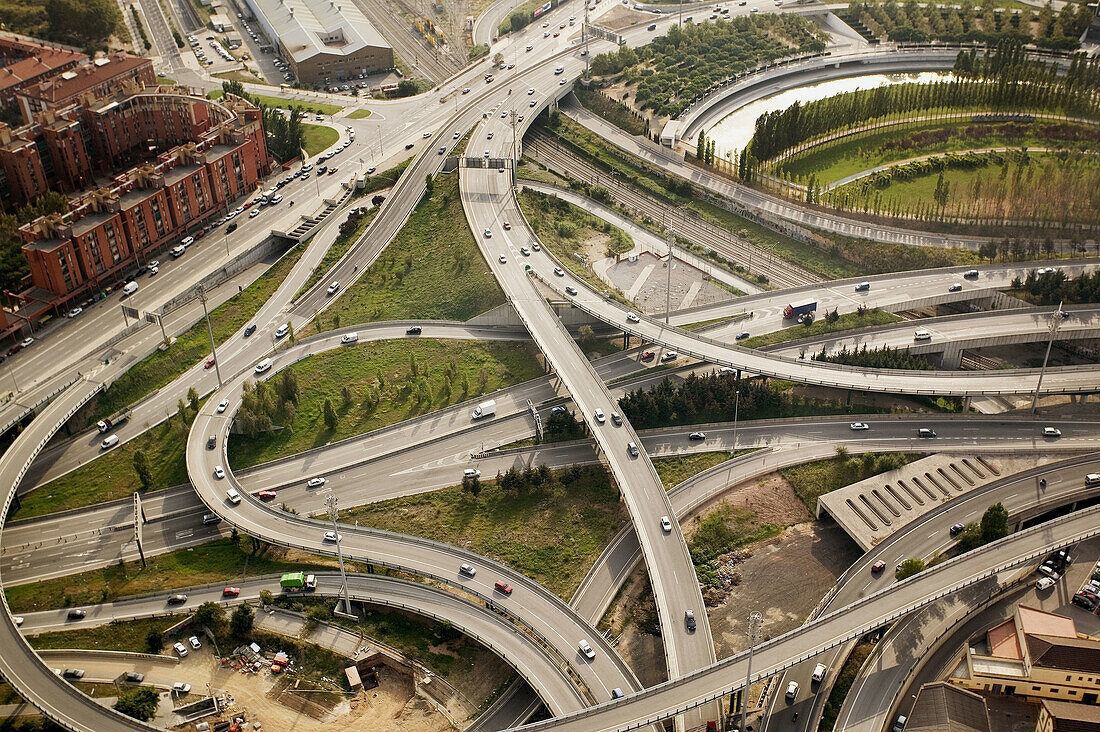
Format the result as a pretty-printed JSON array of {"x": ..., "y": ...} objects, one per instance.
[
  {"x": 331, "y": 503},
  {"x": 754, "y": 626},
  {"x": 1056, "y": 319},
  {"x": 736, "y": 405},
  {"x": 210, "y": 332}
]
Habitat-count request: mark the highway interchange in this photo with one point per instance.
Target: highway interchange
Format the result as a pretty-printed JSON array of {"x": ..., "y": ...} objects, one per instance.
[{"x": 488, "y": 200}]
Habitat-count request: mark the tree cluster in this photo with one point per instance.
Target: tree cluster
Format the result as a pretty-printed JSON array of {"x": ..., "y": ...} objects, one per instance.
[
  {"x": 85, "y": 23},
  {"x": 1051, "y": 288},
  {"x": 1003, "y": 80},
  {"x": 268, "y": 403},
  {"x": 562, "y": 426},
  {"x": 884, "y": 357},
  {"x": 530, "y": 479},
  {"x": 284, "y": 132},
  {"x": 686, "y": 63},
  {"x": 140, "y": 703},
  {"x": 914, "y": 22},
  {"x": 708, "y": 398},
  {"x": 993, "y": 526}
]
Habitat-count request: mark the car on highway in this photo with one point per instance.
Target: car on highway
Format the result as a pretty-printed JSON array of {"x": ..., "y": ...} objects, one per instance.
[
  {"x": 858, "y": 426},
  {"x": 570, "y": 290},
  {"x": 507, "y": 226},
  {"x": 76, "y": 614},
  {"x": 971, "y": 274},
  {"x": 878, "y": 566},
  {"x": 530, "y": 91},
  {"x": 559, "y": 271},
  {"x": 532, "y": 103},
  {"x": 503, "y": 259},
  {"x": 109, "y": 442},
  {"x": 17, "y": 619},
  {"x": 442, "y": 150},
  {"x": 180, "y": 649},
  {"x": 414, "y": 330},
  {"x": 332, "y": 288},
  {"x": 75, "y": 312},
  {"x": 315, "y": 482},
  {"x": 863, "y": 287},
  {"x": 223, "y": 405},
  {"x": 819, "y": 672},
  {"x": 741, "y": 336},
  {"x": 632, "y": 318},
  {"x": 73, "y": 673},
  {"x": 956, "y": 529},
  {"x": 265, "y": 495},
  {"x": 1052, "y": 432},
  {"x": 409, "y": 146},
  {"x": 181, "y": 687},
  {"x": 471, "y": 473},
  {"x": 955, "y": 287},
  {"x": 586, "y": 649},
  {"x": 370, "y": 170},
  {"x": 926, "y": 433},
  {"x": 209, "y": 363},
  {"x": 528, "y": 48},
  {"x": 647, "y": 355},
  {"x": 332, "y": 536},
  {"x": 263, "y": 366},
  {"x": 792, "y": 690},
  {"x": 669, "y": 356},
  {"x": 349, "y": 338},
  {"x": 466, "y": 90},
  {"x": 282, "y": 330},
  {"x": 1045, "y": 583},
  {"x": 616, "y": 419},
  {"x": 488, "y": 234},
  {"x": 219, "y": 472},
  {"x": 233, "y": 496},
  {"x": 525, "y": 251},
  {"x": 468, "y": 569},
  {"x": 652, "y": 27},
  {"x": 599, "y": 416},
  {"x": 632, "y": 449},
  {"x": 502, "y": 587},
  {"x": 666, "y": 525},
  {"x": 689, "y": 620}
]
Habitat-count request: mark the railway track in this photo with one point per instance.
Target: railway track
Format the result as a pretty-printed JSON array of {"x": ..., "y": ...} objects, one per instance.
[
  {"x": 754, "y": 259},
  {"x": 390, "y": 22}
]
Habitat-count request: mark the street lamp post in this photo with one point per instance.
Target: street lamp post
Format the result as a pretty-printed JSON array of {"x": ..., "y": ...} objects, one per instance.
[
  {"x": 754, "y": 626},
  {"x": 210, "y": 332},
  {"x": 1056, "y": 319},
  {"x": 668, "y": 277},
  {"x": 331, "y": 504},
  {"x": 736, "y": 404}
]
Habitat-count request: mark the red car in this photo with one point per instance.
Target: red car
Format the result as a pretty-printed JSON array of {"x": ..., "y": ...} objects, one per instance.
[
  {"x": 265, "y": 495},
  {"x": 647, "y": 355},
  {"x": 209, "y": 363},
  {"x": 200, "y": 233},
  {"x": 878, "y": 566},
  {"x": 507, "y": 226},
  {"x": 231, "y": 591},
  {"x": 502, "y": 586}
]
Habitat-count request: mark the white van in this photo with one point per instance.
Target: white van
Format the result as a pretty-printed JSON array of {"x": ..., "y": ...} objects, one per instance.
[
  {"x": 263, "y": 366},
  {"x": 129, "y": 288},
  {"x": 922, "y": 335},
  {"x": 178, "y": 252},
  {"x": 108, "y": 443}
]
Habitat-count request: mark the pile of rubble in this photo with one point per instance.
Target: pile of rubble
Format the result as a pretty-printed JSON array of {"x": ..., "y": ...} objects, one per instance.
[{"x": 728, "y": 568}]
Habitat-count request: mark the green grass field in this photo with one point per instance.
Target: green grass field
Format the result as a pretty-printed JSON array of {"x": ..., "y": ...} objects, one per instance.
[
  {"x": 123, "y": 635},
  {"x": 317, "y": 138},
  {"x": 447, "y": 372},
  {"x": 812, "y": 480},
  {"x": 551, "y": 535},
  {"x": 359, "y": 114},
  {"x": 310, "y": 107},
  {"x": 432, "y": 269},
  {"x": 675, "y": 470},
  {"x": 162, "y": 367},
  {"x": 217, "y": 561},
  {"x": 821, "y": 326}
]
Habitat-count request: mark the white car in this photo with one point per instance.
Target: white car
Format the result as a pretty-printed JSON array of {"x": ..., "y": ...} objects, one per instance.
[
  {"x": 426, "y": 135},
  {"x": 219, "y": 472},
  {"x": 233, "y": 496},
  {"x": 253, "y": 213},
  {"x": 181, "y": 687},
  {"x": 857, "y": 426},
  {"x": 1052, "y": 432},
  {"x": 1045, "y": 583},
  {"x": 792, "y": 690},
  {"x": 530, "y": 92},
  {"x": 599, "y": 416},
  {"x": 632, "y": 318},
  {"x": 17, "y": 619},
  {"x": 332, "y": 288},
  {"x": 75, "y": 312},
  {"x": 315, "y": 482},
  {"x": 559, "y": 271},
  {"x": 350, "y": 338},
  {"x": 283, "y": 330},
  {"x": 488, "y": 234},
  {"x": 187, "y": 241},
  {"x": 819, "y": 672},
  {"x": 670, "y": 356},
  {"x": 180, "y": 649},
  {"x": 223, "y": 405},
  {"x": 468, "y": 569},
  {"x": 586, "y": 649},
  {"x": 194, "y": 641},
  {"x": 666, "y": 525},
  {"x": 332, "y": 536}
]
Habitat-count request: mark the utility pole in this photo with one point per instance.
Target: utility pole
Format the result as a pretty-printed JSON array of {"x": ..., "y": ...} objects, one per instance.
[
  {"x": 754, "y": 626},
  {"x": 680, "y": 18},
  {"x": 736, "y": 405},
  {"x": 584, "y": 37},
  {"x": 210, "y": 332},
  {"x": 1056, "y": 319},
  {"x": 333, "y": 512}
]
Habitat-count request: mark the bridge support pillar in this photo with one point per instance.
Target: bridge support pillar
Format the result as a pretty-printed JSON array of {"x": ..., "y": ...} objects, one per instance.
[
  {"x": 848, "y": 400},
  {"x": 952, "y": 357},
  {"x": 966, "y": 404}
]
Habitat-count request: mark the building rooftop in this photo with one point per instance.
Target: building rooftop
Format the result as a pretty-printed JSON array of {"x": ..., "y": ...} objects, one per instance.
[
  {"x": 39, "y": 59},
  {"x": 1044, "y": 623},
  {"x": 72, "y": 83},
  {"x": 1070, "y": 717},
  {"x": 1071, "y": 654},
  {"x": 998, "y": 666},
  {"x": 1003, "y": 641},
  {"x": 310, "y": 27},
  {"x": 941, "y": 707}
]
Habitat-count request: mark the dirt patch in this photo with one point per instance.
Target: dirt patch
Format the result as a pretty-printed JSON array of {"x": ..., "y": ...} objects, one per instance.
[
  {"x": 632, "y": 618},
  {"x": 620, "y": 17},
  {"x": 771, "y": 498},
  {"x": 594, "y": 247},
  {"x": 784, "y": 579}
]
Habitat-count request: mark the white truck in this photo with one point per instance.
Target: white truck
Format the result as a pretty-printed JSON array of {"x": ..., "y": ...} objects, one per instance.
[
  {"x": 485, "y": 409},
  {"x": 108, "y": 423}
]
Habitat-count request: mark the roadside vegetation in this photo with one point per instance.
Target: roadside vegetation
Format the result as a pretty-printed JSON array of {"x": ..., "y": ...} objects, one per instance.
[
  {"x": 720, "y": 532},
  {"x": 864, "y": 318},
  {"x": 1054, "y": 287},
  {"x": 813, "y": 480},
  {"x": 615, "y": 112},
  {"x": 316, "y": 138},
  {"x": 844, "y": 680},
  {"x": 359, "y": 114},
  {"x": 675, "y": 470},
  {"x": 549, "y": 525},
  {"x": 120, "y": 635},
  {"x": 432, "y": 269},
  {"x": 220, "y": 560},
  {"x": 279, "y": 102},
  {"x": 350, "y": 391},
  {"x": 883, "y": 357}
]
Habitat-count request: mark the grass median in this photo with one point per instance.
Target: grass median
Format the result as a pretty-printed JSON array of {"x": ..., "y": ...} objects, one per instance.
[
  {"x": 432, "y": 269},
  {"x": 821, "y": 326},
  {"x": 317, "y": 138},
  {"x": 552, "y": 531},
  {"x": 121, "y": 635},
  {"x": 675, "y": 470},
  {"x": 359, "y": 114},
  {"x": 377, "y": 384},
  {"x": 220, "y": 560},
  {"x": 813, "y": 480}
]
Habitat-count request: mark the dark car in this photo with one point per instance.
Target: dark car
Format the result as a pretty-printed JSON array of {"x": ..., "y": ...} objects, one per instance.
[
  {"x": 250, "y": 330},
  {"x": 133, "y": 677},
  {"x": 15, "y": 349},
  {"x": 956, "y": 530},
  {"x": 231, "y": 228},
  {"x": 177, "y": 599},
  {"x": 1086, "y": 600},
  {"x": 409, "y": 146},
  {"x": 742, "y": 335},
  {"x": 647, "y": 355},
  {"x": 76, "y": 614},
  {"x": 415, "y": 330}
]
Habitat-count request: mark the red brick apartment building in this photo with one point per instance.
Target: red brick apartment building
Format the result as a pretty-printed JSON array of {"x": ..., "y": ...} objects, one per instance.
[
  {"x": 24, "y": 62},
  {"x": 213, "y": 153},
  {"x": 98, "y": 78}
]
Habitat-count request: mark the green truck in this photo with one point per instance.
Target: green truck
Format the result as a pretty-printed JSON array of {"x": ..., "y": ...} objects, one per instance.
[{"x": 298, "y": 582}]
